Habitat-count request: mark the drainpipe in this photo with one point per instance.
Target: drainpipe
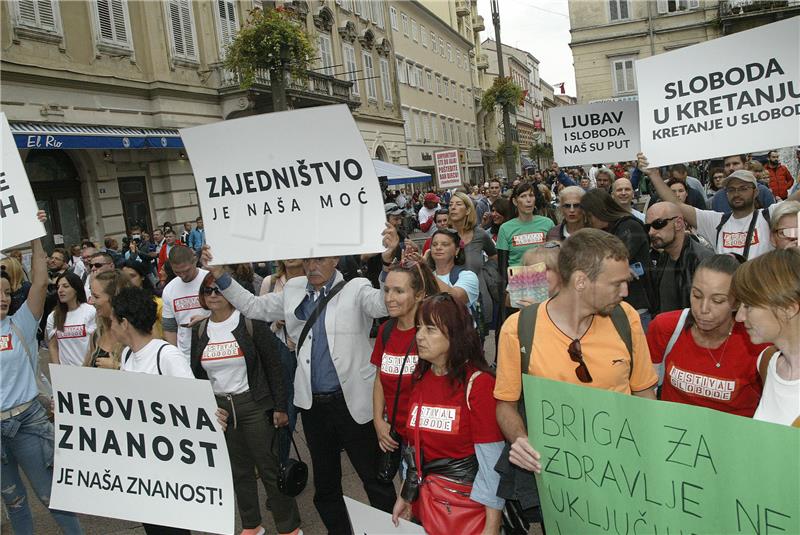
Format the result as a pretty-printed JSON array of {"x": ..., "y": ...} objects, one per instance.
[{"x": 650, "y": 28}]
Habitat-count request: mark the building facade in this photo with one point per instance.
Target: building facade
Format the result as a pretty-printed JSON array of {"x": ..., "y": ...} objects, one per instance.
[{"x": 433, "y": 65}]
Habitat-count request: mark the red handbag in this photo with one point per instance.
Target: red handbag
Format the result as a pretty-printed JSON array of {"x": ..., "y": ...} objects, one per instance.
[{"x": 444, "y": 506}]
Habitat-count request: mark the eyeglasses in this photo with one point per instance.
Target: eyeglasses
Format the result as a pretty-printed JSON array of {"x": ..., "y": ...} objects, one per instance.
[
  {"x": 790, "y": 233},
  {"x": 208, "y": 290},
  {"x": 658, "y": 224},
  {"x": 576, "y": 355},
  {"x": 571, "y": 206},
  {"x": 740, "y": 189},
  {"x": 98, "y": 265}
]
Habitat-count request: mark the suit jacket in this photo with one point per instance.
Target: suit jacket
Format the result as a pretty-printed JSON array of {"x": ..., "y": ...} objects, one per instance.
[{"x": 348, "y": 319}]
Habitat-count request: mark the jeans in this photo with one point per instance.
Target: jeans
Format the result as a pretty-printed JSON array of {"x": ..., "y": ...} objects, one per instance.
[
  {"x": 27, "y": 443},
  {"x": 329, "y": 428},
  {"x": 289, "y": 361},
  {"x": 250, "y": 436}
]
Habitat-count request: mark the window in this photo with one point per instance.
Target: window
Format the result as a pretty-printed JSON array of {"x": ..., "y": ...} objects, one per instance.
[
  {"x": 445, "y": 131},
  {"x": 386, "y": 86},
  {"x": 458, "y": 59},
  {"x": 227, "y": 23},
  {"x": 453, "y": 93},
  {"x": 412, "y": 74},
  {"x": 417, "y": 127},
  {"x": 434, "y": 43},
  {"x": 438, "y": 85},
  {"x": 623, "y": 75},
  {"x": 441, "y": 46},
  {"x": 673, "y": 6},
  {"x": 429, "y": 76},
  {"x": 449, "y": 53},
  {"x": 393, "y": 18},
  {"x": 181, "y": 24},
  {"x": 350, "y": 67},
  {"x": 406, "y": 125},
  {"x": 434, "y": 134},
  {"x": 420, "y": 79},
  {"x": 426, "y": 127},
  {"x": 458, "y": 134},
  {"x": 112, "y": 23},
  {"x": 367, "y": 10},
  {"x": 618, "y": 10},
  {"x": 38, "y": 15},
  {"x": 357, "y": 7},
  {"x": 452, "y": 132},
  {"x": 378, "y": 14},
  {"x": 326, "y": 53},
  {"x": 414, "y": 30},
  {"x": 404, "y": 19},
  {"x": 402, "y": 76},
  {"x": 446, "y": 88},
  {"x": 423, "y": 35},
  {"x": 463, "y": 99},
  {"x": 369, "y": 74}
]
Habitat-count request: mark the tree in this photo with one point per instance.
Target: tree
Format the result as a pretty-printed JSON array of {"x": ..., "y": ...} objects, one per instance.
[
  {"x": 539, "y": 151},
  {"x": 273, "y": 40}
]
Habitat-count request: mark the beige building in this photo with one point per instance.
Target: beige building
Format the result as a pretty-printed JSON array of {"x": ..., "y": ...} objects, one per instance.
[
  {"x": 434, "y": 72},
  {"x": 95, "y": 97},
  {"x": 608, "y": 36}
]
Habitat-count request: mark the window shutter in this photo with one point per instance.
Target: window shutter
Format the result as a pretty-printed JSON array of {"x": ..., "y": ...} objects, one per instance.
[
  {"x": 104, "y": 15},
  {"x": 27, "y": 12},
  {"x": 694, "y": 4},
  {"x": 118, "y": 15},
  {"x": 663, "y": 6},
  {"x": 176, "y": 27},
  {"x": 226, "y": 10},
  {"x": 188, "y": 33},
  {"x": 47, "y": 19}
]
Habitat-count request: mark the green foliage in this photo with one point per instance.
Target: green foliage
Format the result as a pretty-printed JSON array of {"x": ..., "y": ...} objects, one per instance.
[
  {"x": 502, "y": 92},
  {"x": 268, "y": 39},
  {"x": 541, "y": 150},
  {"x": 501, "y": 152}
]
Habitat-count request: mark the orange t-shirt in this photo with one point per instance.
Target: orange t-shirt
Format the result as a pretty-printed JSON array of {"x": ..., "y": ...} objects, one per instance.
[{"x": 604, "y": 352}]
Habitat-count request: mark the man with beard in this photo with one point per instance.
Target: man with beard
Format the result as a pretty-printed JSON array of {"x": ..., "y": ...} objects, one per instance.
[
  {"x": 676, "y": 255},
  {"x": 780, "y": 179},
  {"x": 730, "y": 164}
]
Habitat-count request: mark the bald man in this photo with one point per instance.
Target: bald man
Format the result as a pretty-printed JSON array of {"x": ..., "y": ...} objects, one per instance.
[
  {"x": 622, "y": 191},
  {"x": 677, "y": 254}
]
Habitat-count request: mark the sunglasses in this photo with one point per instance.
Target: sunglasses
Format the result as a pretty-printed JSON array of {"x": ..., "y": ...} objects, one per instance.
[
  {"x": 208, "y": 290},
  {"x": 788, "y": 232},
  {"x": 658, "y": 224},
  {"x": 98, "y": 265},
  {"x": 571, "y": 206},
  {"x": 576, "y": 355}
]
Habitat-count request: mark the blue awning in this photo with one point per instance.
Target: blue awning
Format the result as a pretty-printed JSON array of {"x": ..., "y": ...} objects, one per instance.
[
  {"x": 399, "y": 175},
  {"x": 73, "y": 136}
]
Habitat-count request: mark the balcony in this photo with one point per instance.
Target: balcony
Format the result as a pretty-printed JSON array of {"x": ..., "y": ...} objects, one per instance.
[
  {"x": 478, "y": 25},
  {"x": 462, "y": 8},
  {"x": 739, "y": 15},
  {"x": 483, "y": 62}
]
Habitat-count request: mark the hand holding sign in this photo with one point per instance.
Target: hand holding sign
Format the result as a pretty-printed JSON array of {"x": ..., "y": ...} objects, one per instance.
[{"x": 206, "y": 259}]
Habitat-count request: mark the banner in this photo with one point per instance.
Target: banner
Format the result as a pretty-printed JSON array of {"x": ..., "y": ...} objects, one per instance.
[
  {"x": 18, "y": 221},
  {"x": 367, "y": 520},
  {"x": 732, "y": 95},
  {"x": 448, "y": 169},
  {"x": 620, "y": 464},
  {"x": 595, "y": 133},
  {"x": 293, "y": 184},
  {"x": 140, "y": 447}
]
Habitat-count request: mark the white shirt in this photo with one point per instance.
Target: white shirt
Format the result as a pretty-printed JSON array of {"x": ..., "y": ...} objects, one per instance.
[
  {"x": 146, "y": 360},
  {"x": 222, "y": 358},
  {"x": 87, "y": 288},
  {"x": 733, "y": 234},
  {"x": 73, "y": 339},
  {"x": 182, "y": 303},
  {"x": 424, "y": 215},
  {"x": 637, "y": 214},
  {"x": 780, "y": 401}
]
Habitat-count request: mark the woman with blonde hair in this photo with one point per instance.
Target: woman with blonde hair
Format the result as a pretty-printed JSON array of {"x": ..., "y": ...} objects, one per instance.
[
  {"x": 19, "y": 285},
  {"x": 768, "y": 288},
  {"x": 104, "y": 348}
]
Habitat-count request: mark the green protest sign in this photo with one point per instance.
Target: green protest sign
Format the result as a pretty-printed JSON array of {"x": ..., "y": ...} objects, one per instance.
[{"x": 621, "y": 464}]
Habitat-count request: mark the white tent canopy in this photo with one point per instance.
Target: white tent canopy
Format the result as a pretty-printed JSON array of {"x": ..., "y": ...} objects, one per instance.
[{"x": 399, "y": 175}]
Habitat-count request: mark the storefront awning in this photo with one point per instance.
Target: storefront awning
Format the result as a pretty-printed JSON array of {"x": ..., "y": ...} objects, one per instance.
[
  {"x": 399, "y": 175},
  {"x": 527, "y": 163},
  {"x": 73, "y": 136}
]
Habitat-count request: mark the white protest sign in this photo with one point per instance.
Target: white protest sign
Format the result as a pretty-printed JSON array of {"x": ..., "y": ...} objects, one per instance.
[
  {"x": 292, "y": 184},
  {"x": 140, "y": 447},
  {"x": 595, "y": 133},
  {"x": 18, "y": 221},
  {"x": 367, "y": 520},
  {"x": 732, "y": 95},
  {"x": 448, "y": 169}
]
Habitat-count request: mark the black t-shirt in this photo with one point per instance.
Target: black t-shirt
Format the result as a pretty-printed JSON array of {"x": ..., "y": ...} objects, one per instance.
[{"x": 669, "y": 298}]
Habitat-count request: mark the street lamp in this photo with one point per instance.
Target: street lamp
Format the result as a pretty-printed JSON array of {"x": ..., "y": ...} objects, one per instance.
[{"x": 507, "y": 141}]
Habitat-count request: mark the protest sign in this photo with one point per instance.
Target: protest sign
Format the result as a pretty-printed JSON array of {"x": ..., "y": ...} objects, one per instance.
[
  {"x": 367, "y": 520},
  {"x": 18, "y": 221},
  {"x": 595, "y": 133},
  {"x": 292, "y": 184},
  {"x": 448, "y": 169},
  {"x": 732, "y": 95},
  {"x": 617, "y": 463},
  {"x": 140, "y": 447}
]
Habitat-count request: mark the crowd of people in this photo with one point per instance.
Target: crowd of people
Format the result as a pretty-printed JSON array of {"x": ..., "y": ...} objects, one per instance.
[{"x": 650, "y": 303}]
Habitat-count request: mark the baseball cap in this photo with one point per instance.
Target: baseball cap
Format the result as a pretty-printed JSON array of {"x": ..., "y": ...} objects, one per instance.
[
  {"x": 743, "y": 175},
  {"x": 431, "y": 197},
  {"x": 392, "y": 209}
]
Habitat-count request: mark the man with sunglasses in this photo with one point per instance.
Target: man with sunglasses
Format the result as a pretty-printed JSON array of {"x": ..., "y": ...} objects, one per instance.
[
  {"x": 676, "y": 255},
  {"x": 579, "y": 336},
  {"x": 181, "y": 299}
]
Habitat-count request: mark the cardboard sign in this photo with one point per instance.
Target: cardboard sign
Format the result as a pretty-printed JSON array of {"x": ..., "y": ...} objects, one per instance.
[
  {"x": 292, "y": 184},
  {"x": 732, "y": 95},
  {"x": 18, "y": 221},
  {"x": 448, "y": 169},
  {"x": 140, "y": 447},
  {"x": 595, "y": 133},
  {"x": 367, "y": 520},
  {"x": 616, "y": 463}
]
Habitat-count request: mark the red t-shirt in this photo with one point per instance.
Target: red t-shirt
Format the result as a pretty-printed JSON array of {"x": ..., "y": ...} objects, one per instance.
[
  {"x": 448, "y": 427},
  {"x": 388, "y": 360},
  {"x": 691, "y": 375}
]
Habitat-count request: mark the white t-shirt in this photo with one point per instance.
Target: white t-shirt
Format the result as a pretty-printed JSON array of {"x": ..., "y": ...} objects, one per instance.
[
  {"x": 467, "y": 281},
  {"x": 733, "y": 234},
  {"x": 88, "y": 289},
  {"x": 181, "y": 303},
  {"x": 223, "y": 359},
  {"x": 424, "y": 215},
  {"x": 780, "y": 401},
  {"x": 173, "y": 363},
  {"x": 73, "y": 340}
]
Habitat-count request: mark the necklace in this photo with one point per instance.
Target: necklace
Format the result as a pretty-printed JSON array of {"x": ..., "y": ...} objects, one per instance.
[{"x": 718, "y": 363}]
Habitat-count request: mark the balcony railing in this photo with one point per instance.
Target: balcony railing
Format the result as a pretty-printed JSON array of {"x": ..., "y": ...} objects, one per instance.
[
  {"x": 462, "y": 8},
  {"x": 478, "y": 25},
  {"x": 316, "y": 84},
  {"x": 733, "y": 8}
]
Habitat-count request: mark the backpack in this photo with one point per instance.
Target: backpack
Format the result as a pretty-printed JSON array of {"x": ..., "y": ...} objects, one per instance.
[
  {"x": 749, "y": 238},
  {"x": 201, "y": 327},
  {"x": 158, "y": 357},
  {"x": 476, "y": 309}
]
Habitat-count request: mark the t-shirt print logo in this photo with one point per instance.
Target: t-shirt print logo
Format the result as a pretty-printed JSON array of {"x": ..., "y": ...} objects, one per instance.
[
  {"x": 72, "y": 331},
  {"x": 530, "y": 238},
  {"x": 616, "y": 362},
  {"x": 701, "y": 385},
  {"x": 390, "y": 364},
  {"x": 222, "y": 350},
  {"x": 439, "y": 419},
  {"x": 186, "y": 303},
  {"x": 738, "y": 239},
  {"x": 5, "y": 343}
]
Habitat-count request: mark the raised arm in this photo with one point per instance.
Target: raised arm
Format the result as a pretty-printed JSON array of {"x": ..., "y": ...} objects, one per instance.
[
  {"x": 38, "y": 291},
  {"x": 687, "y": 211}
]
